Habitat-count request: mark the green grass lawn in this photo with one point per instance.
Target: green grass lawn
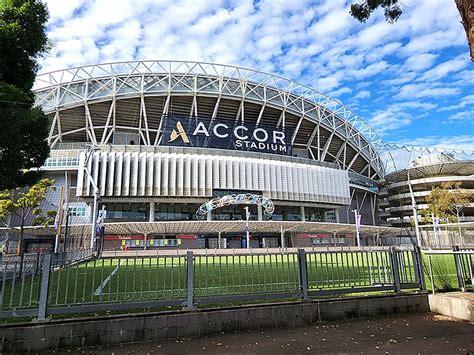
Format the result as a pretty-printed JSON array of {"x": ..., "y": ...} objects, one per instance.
[{"x": 113, "y": 280}]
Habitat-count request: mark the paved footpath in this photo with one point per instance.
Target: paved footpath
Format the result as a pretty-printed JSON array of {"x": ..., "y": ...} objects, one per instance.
[{"x": 406, "y": 334}]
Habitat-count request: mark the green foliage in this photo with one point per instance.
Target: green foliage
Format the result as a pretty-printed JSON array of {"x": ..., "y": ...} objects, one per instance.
[
  {"x": 23, "y": 202},
  {"x": 362, "y": 10},
  {"x": 43, "y": 220},
  {"x": 23, "y": 40},
  {"x": 445, "y": 201}
]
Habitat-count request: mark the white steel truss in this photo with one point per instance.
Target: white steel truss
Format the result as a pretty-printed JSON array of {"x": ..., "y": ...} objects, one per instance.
[{"x": 86, "y": 85}]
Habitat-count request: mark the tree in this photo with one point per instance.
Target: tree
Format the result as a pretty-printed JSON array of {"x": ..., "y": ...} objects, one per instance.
[
  {"x": 23, "y": 145},
  {"x": 445, "y": 201},
  {"x": 21, "y": 203},
  {"x": 362, "y": 10}
]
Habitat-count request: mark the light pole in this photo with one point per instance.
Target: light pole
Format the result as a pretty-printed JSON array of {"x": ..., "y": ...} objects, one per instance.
[
  {"x": 90, "y": 151},
  {"x": 357, "y": 223},
  {"x": 247, "y": 215},
  {"x": 413, "y": 204}
]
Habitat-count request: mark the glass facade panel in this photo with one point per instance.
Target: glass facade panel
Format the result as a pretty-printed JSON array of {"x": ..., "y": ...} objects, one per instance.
[{"x": 312, "y": 214}]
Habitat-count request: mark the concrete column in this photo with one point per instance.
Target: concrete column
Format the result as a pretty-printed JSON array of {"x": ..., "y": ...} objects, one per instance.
[
  {"x": 303, "y": 217},
  {"x": 259, "y": 213},
  {"x": 209, "y": 216},
  {"x": 151, "y": 217},
  {"x": 219, "y": 240},
  {"x": 336, "y": 212}
]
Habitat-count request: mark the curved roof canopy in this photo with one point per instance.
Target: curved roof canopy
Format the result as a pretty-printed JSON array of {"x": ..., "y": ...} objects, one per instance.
[{"x": 90, "y": 103}]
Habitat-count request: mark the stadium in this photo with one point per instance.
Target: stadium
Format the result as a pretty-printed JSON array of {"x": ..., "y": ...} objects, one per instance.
[
  {"x": 425, "y": 173},
  {"x": 175, "y": 151}
]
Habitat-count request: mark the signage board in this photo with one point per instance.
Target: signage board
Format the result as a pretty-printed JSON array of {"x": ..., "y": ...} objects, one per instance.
[{"x": 225, "y": 134}]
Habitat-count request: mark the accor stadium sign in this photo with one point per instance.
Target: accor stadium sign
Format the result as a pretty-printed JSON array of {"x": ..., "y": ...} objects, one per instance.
[{"x": 225, "y": 134}]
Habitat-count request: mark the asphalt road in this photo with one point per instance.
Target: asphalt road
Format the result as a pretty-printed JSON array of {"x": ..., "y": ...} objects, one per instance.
[{"x": 407, "y": 334}]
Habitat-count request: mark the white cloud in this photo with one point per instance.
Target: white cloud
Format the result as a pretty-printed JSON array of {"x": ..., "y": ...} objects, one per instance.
[
  {"x": 421, "y": 61},
  {"x": 389, "y": 119},
  {"x": 465, "y": 101},
  {"x": 462, "y": 116},
  {"x": 445, "y": 68},
  {"x": 363, "y": 94},
  {"x": 417, "y": 91}
]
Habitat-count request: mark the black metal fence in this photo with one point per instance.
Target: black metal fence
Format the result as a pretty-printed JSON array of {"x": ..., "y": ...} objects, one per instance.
[
  {"x": 451, "y": 269},
  {"x": 58, "y": 286}
]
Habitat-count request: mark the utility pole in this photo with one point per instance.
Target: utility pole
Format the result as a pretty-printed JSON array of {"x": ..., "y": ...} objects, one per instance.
[
  {"x": 247, "y": 229},
  {"x": 60, "y": 220},
  {"x": 282, "y": 237},
  {"x": 357, "y": 223},
  {"x": 414, "y": 208},
  {"x": 90, "y": 151}
]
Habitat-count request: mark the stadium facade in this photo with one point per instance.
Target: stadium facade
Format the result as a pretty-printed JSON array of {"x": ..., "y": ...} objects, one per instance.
[
  {"x": 424, "y": 174},
  {"x": 157, "y": 140}
]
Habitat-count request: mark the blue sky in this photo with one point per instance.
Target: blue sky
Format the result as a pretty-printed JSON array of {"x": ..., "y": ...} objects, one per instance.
[{"x": 412, "y": 81}]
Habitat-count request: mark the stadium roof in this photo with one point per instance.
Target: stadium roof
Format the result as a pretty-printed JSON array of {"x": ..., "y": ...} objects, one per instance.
[{"x": 350, "y": 141}]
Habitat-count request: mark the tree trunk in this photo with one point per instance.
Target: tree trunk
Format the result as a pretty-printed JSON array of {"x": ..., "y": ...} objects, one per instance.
[
  {"x": 466, "y": 9},
  {"x": 19, "y": 248}
]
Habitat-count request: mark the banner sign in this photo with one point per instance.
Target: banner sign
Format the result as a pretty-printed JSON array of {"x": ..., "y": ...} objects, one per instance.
[{"x": 225, "y": 134}]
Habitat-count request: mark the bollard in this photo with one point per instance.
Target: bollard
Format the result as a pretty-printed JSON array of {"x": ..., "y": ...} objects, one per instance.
[
  {"x": 190, "y": 280},
  {"x": 43, "y": 298},
  {"x": 395, "y": 269},
  {"x": 303, "y": 274}
]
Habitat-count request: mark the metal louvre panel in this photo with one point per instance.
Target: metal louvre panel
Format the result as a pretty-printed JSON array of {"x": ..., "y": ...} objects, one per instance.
[
  {"x": 126, "y": 174},
  {"x": 215, "y": 173},
  {"x": 284, "y": 183},
  {"x": 261, "y": 177},
  {"x": 187, "y": 176},
  {"x": 179, "y": 175},
  {"x": 272, "y": 179},
  {"x": 242, "y": 174},
  {"x": 266, "y": 179},
  {"x": 209, "y": 175},
  {"x": 149, "y": 174},
  {"x": 134, "y": 175},
  {"x": 176, "y": 174},
  {"x": 279, "y": 182},
  {"x": 118, "y": 175},
  {"x": 229, "y": 176},
  {"x": 202, "y": 176},
  {"x": 142, "y": 174},
  {"x": 306, "y": 185},
  {"x": 95, "y": 169},
  {"x": 164, "y": 175},
  {"x": 157, "y": 179},
  {"x": 102, "y": 173},
  {"x": 172, "y": 175},
  {"x": 236, "y": 174},
  {"x": 194, "y": 176},
  {"x": 110, "y": 173},
  {"x": 255, "y": 178}
]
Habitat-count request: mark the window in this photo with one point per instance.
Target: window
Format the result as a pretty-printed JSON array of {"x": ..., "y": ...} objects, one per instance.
[
  {"x": 61, "y": 162},
  {"x": 77, "y": 211}
]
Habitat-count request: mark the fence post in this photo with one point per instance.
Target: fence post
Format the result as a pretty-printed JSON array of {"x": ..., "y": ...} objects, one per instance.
[
  {"x": 459, "y": 268},
  {"x": 303, "y": 274},
  {"x": 190, "y": 280},
  {"x": 395, "y": 269},
  {"x": 418, "y": 265},
  {"x": 44, "y": 285}
]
